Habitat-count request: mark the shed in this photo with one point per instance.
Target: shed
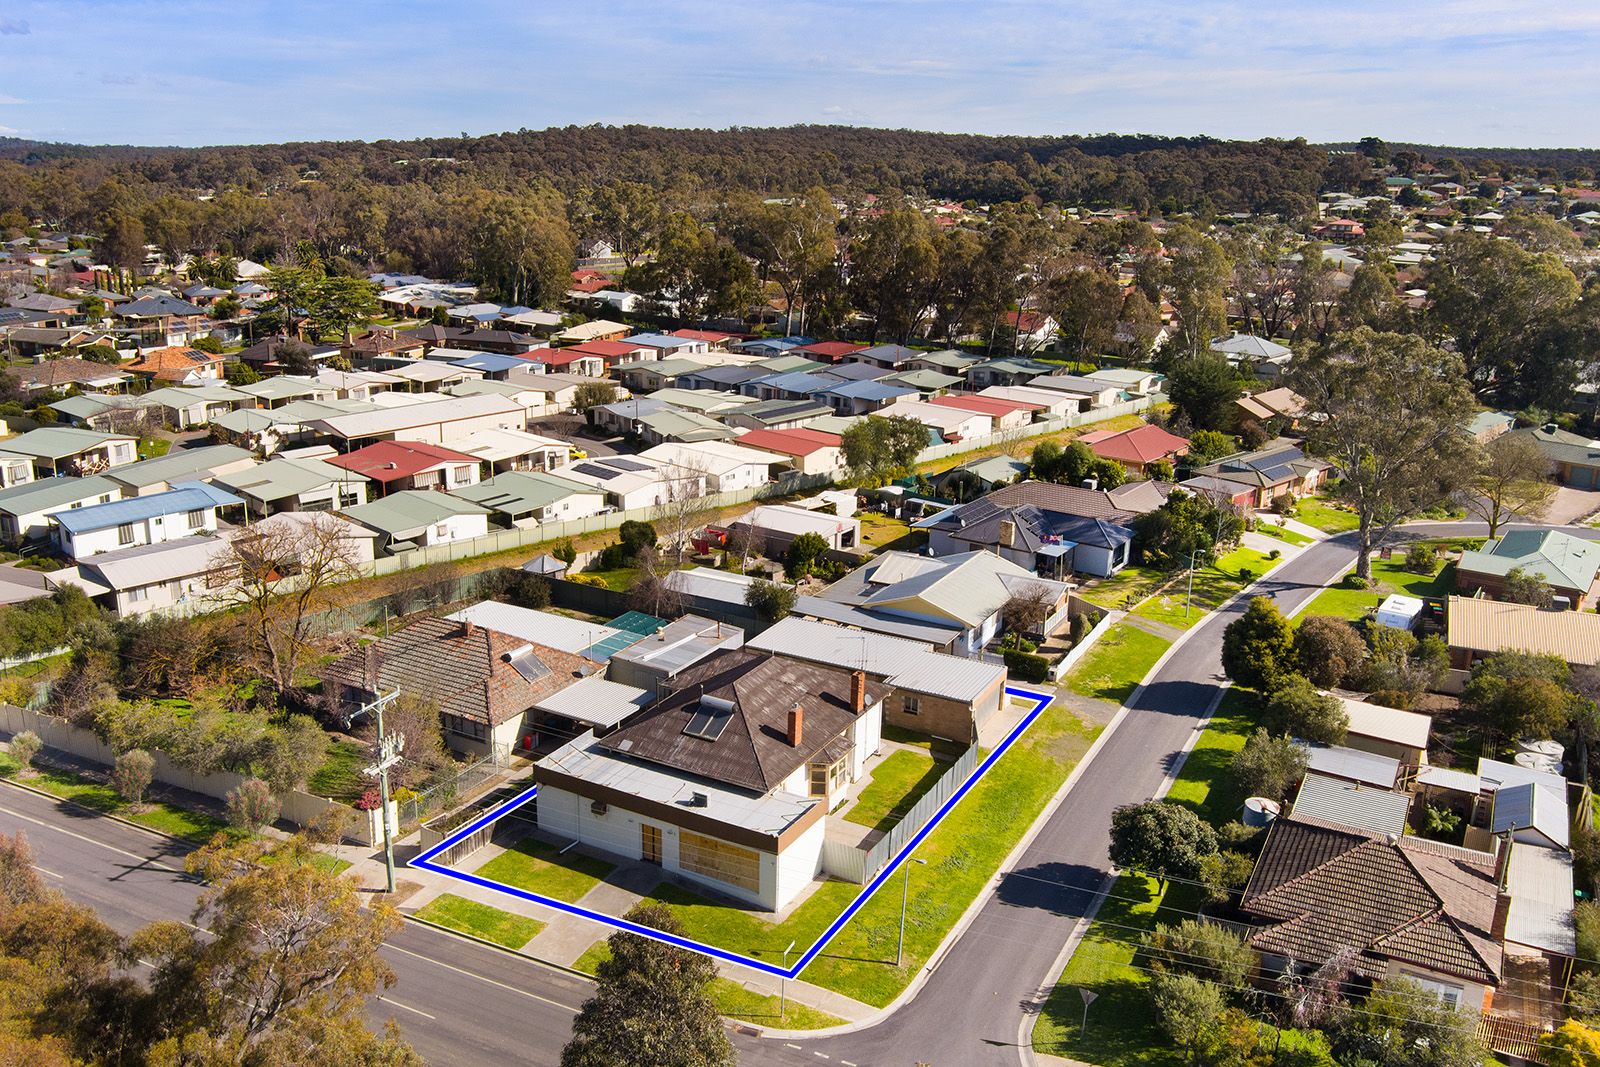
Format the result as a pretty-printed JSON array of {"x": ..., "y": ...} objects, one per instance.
[{"x": 1331, "y": 800}]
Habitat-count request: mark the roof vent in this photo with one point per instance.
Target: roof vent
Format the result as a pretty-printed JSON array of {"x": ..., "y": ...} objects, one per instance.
[{"x": 698, "y": 800}]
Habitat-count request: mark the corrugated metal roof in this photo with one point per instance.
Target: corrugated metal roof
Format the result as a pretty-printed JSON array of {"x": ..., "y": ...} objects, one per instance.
[
  {"x": 1490, "y": 626},
  {"x": 1365, "y": 767},
  {"x": 393, "y": 420},
  {"x": 411, "y": 509},
  {"x": 1540, "y": 883},
  {"x": 537, "y": 627},
  {"x": 596, "y": 701},
  {"x": 1388, "y": 724},
  {"x": 183, "y": 464},
  {"x": 186, "y": 496},
  {"x": 1350, "y": 804},
  {"x": 903, "y": 664},
  {"x": 520, "y": 492},
  {"x": 58, "y": 442},
  {"x": 50, "y": 493},
  {"x": 130, "y": 568}
]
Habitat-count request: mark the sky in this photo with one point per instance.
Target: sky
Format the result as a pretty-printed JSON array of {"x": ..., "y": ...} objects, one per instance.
[{"x": 192, "y": 72}]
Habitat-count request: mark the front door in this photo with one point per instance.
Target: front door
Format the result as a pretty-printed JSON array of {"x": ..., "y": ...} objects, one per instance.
[{"x": 650, "y": 843}]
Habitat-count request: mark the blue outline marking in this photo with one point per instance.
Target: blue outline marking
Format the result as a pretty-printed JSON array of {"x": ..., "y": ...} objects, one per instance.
[{"x": 425, "y": 862}]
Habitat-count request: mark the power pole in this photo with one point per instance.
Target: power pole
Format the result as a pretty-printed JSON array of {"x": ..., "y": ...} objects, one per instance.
[{"x": 389, "y": 749}]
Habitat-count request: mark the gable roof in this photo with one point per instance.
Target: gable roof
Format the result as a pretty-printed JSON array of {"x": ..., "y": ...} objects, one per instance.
[
  {"x": 1142, "y": 444},
  {"x": 798, "y": 441},
  {"x": 1490, "y": 626},
  {"x": 465, "y": 669},
  {"x": 407, "y": 513},
  {"x": 1558, "y": 558},
  {"x": 155, "y": 306},
  {"x": 68, "y": 370},
  {"x": 388, "y": 461},
  {"x": 185, "y": 496},
  {"x": 752, "y": 751},
  {"x": 966, "y": 589},
  {"x": 517, "y": 493},
  {"x": 1323, "y": 888},
  {"x": 59, "y": 442},
  {"x": 1564, "y": 446}
]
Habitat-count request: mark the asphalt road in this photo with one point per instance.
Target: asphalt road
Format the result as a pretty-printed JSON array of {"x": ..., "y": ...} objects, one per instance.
[{"x": 461, "y": 1003}]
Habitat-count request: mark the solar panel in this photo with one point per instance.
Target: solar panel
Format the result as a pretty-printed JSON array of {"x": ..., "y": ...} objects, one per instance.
[
  {"x": 628, "y": 464},
  {"x": 594, "y": 470},
  {"x": 710, "y": 718},
  {"x": 530, "y": 667}
]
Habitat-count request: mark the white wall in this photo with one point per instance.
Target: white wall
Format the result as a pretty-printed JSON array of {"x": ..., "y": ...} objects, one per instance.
[
  {"x": 152, "y": 531},
  {"x": 455, "y": 528}
]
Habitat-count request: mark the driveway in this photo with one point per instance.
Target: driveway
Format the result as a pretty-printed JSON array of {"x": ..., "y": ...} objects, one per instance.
[{"x": 1571, "y": 505}]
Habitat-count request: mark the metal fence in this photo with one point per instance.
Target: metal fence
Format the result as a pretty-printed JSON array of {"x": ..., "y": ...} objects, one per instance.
[
  {"x": 859, "y": 865},
  {"x": 458, "y": 786}
]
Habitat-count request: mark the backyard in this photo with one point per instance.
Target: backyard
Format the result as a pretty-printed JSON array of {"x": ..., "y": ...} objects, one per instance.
[
  {"x": 1388, "y": 576},
  {"x": 884, "y": 531},
  {"x": 1117, "y": 663},
  {"x": 898, "y": 781}
]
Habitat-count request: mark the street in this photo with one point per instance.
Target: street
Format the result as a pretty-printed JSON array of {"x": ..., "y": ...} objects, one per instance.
[{"x": 459, "y": 1002}]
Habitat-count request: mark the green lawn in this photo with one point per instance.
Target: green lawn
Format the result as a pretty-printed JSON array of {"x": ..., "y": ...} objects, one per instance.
[
  {"x": 157, "y": 815},
  {"x": 1116, "y": 664},
  {"x": 1389, "y": 576},
  {"x": 153, "y": 447},
  {"x": 536, "y": 867},
  {"x": 340, "y": 777},
  {"x": 1282, "y": 533},
  {"x": 898, "y": 782},
  {"x": 1128, "y": 586},
  {"x": 1122, "y": 1029},
  {"x": 961, "y": 855},
  {"x": 1320, "y": 512},
  {"x": 1213, "y": 584},
  {"x": 880, "y": 531},
  {"x": 737, "y": 1002},
  {"x": 481, "y": 920},
  {"x": 620, "y": 578}
]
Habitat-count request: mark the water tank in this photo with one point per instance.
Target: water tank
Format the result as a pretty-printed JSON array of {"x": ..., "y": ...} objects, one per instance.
[{"x": 1260, "y": 811}]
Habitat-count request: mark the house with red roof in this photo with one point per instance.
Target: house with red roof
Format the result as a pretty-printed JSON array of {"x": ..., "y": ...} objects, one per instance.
[
  {"x": 1137, "y": 447},
  {"x": 177, "y": 365},
  {"x": 572, "y": 360},
  {"x": 827, "y": 351},
  {"x": 588, "y": 282},
  {"x": 398, "y": 465},
  {"x": 811, "y": 451},
  {"x": 716, "y": 339},
  {"x": 1006, "y": 414},
  {"x": 616, "y": 353},
  {"x": 1035, "y": 329}
]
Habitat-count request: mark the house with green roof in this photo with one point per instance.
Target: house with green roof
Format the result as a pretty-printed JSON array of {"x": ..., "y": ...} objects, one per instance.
[
  {"x": 25, "y": 510},
  {"x": 68, "y": 450},
  {"x": 528, "y": 498},
  {"x": 1568, "y": 565},
  {"x": 1574, "y": 458},
  {"x": 418, "y": 518}
]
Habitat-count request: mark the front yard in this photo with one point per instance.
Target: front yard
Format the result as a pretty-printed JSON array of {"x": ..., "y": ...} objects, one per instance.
[
  {"x": 1326, "y": 515},
  {"x": 1388, "y": 576},
  {"x": 898, "y": 782},
  {"x": 536, "y": 867},
  {"x": 1125, "y": 588},
  {"x": 1213, "y": 583},
  {"x": 1117, "y": 663}
]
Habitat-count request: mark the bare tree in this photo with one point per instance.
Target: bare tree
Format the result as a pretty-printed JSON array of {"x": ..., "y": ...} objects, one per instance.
[
  {"x": 650, "y": 592},
  {"x": 279, "y": 571},
  {"x": 1512, "y": 478},
  {"x": 744, "y": 541},
  {"x": 1027, "y": 609},
  {"x": 684, "y": 508}
]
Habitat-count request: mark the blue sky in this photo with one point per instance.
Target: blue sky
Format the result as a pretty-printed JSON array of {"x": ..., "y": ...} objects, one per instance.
[{"x": 189, "y": 72}]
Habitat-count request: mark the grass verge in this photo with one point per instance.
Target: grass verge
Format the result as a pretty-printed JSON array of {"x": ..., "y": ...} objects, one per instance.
[
  {"x": 480, "y": 920},
  {"x": 1388, "y": 576},
  {"x": 737, "y": 1002},
  {"x": 898, "y": 782},
  {"x": 535, "y": 866},
  {"x": 97, "y": 796},
  {"x": 1116, "y": 664},
  {"x": 1213, "y": 584}
]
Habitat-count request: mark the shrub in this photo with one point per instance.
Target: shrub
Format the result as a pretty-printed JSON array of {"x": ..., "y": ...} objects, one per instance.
[
  {"x": 588, "y": 579},
  {"x": 1027, "y": 666},
  {"x": 565, "y": 551},
  {"x": 1200, "y": 948},
  {"x": 770, "y": 600},
  {"x": 252, "y": 805},
  {"x": 1225, "y": 874},
  {"x": 1294, "y": 707},
  {"x": 132, "y": 774},
  {"x": 1329, "y": 651},
  {"x": 1276, "y": 553},
  {"x": 25, "y": 746},
  {"x": 1421, "y": 558},
  {"x": 804, "y": 551},
  {"x": 1269, "y": 766},
  {"x": 1354, "y": 581},
  {"x": 1258, "y": 646},
  {"x": 1080, "y": 625}
]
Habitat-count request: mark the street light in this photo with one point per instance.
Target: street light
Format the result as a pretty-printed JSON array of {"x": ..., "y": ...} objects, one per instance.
[
  {"x": 1188, "y": 600},
  {"x": 783, "y": 982},
  {"x": 389, "y": 749},
  {"x": 905, "y": 888}
]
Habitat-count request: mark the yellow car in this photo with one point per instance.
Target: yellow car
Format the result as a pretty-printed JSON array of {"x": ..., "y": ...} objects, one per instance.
[{"x": 575, "y": 454}]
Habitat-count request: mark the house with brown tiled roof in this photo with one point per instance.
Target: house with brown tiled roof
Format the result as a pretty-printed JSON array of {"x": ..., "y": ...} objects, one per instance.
[
  {"x": 178, "y": 365},
  {"x": 484, "y": 682},
  {"x": 1405, "y": 907},
  {"x": 727, "y": 780}
]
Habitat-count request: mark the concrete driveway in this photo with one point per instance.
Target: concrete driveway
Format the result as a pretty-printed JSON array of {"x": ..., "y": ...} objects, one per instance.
[{"x": 1571, "y": 506}]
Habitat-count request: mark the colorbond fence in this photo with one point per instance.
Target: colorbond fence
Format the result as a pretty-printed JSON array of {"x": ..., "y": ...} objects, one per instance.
[{"x": 851, "y": 864}]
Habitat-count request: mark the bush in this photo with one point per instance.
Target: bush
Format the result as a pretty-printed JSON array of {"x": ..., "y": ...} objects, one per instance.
[
  {"x": 1294, "y": 707},
  {"x": 804, "y": 551},
  {"x": 252, "y": 805},
  {"x": 132, "y": 774},
  {"x": 1329, "y": 651},
  {"x": 770, "y": 600},
  {"x": 1421, "y": 558},
  {"x": 1200, "y": 948},
  {"x": 1258, "y": 646},
  {"x": 1026, "y": 665},
  {"x": 1269, "y": 766},
  {"x": 588, "y": 579},
  {"x": 1225, "y": 874},
  {"x": 1355, "y": 581},
  {"x": 25, "y": 746},
  {"x": 1079, "y": 625},
  {"x": 565, "y": 551}
]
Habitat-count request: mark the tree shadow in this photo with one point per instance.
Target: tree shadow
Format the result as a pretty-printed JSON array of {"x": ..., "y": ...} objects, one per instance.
[{"x": 1064, "y": 889}]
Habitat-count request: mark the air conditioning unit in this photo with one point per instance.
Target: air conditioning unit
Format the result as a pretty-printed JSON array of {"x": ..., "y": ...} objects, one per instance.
[
  {"x": 1561, "y": 603},
  {"x": 597, "y": 807}
]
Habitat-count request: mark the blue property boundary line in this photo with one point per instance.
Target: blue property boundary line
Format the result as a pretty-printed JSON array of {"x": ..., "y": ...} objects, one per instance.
[{"x": 425, "y": 862}]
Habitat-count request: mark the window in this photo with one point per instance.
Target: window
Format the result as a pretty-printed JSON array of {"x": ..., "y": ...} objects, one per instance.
[
  {"x": 125, "y": 534},
  {"x": 197, "y": 519},
  {"x": 442, "y": 530},
  {"x": 720, "y": 861},
  {"x": 828, "y": 778},
  {"x": 1448, "y": 993},
  {"x": 465, "y": 727},
  {"x": 910, "y": 705},
  {"x": 139, "y": 595}
]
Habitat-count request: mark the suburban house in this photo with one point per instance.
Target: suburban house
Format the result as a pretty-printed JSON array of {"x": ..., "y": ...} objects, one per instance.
[
  {"x": 183, "y": 465},
  {"x": 656, "y": 662},
  {"x": 1476, "y": 628},
  {"x": 1097, "y": 393},
  {"x": 419, "y": 518},
  {"x": 1574, "y": 459},
  {"x": 396, "y": 465},
  {"x": 514, "y": 450},
  {"x": 726, "y": 467},
  {"x": 286, "y": 388},
  {"x": 188, "y": 574},
  {"x": 483, "y": 681},
  {"x": 978, "y": 476},
  {"x": 774, "y": 526},
  {"x": 299, "y": 483},
  {"x": 66, "y": 450},
  {"x": 809, "y": 451},
  {"x": 1569, "y": 565},
  {"x": 953, "y": 424},
  {"x": 1130, "y": 379},
  {"x": 1485, "y": 426},
  {"x": 184, "y": 408},
  {"x": 598, "y": 330},
  {"x": 1406, "y": 906},
  {"x": 1278, "y": 470},
  {"x": 1256, "y": 355},
  {"x": 25, "y": 510},
  {"x": 528, "y": 498},
  {"x": 884, "y": 357},
  {"x": 1003, "y": 414},
  {"x": 163, "y": 318},
  {"x": 440, "y": 422},
  {"x": 934, "y": 694},
  {"x": 862, "y": 397},
  {"x": 1034, "y": 329},
  {"x": 1047, "y": 403},
  {"x": 188, "y": 509},
  {"x": 1051, "y": 529},
  {"x": 69, "y": 371},
  {"x": 634, "y": 481},
  {"x": 1282, "y": 404},
  {"x": 177, "y": 365},
  {"x": 1135, "y": 449},
  {"x": 727, "y": 781},
  {"x": 962, "y": 595}
]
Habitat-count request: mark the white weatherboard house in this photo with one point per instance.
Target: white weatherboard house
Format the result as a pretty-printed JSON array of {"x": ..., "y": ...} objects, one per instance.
[
  {"x": 188, "y": 509},
  {"x": 728, "y": 780},
  {"x": 25, "y": 510}
]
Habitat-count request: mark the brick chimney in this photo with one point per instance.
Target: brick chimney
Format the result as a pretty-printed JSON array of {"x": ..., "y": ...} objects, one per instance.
[
  {"x": 858, "y": 691},
  {"x": 468, "y": 628},
  {"x": 1008, "y": 533},
  {"x": 797, "y": 725}
]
